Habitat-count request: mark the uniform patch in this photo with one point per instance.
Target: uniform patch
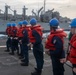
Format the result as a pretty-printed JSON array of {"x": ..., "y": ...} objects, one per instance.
[
  {"x": 54, "y": 41},
  {"x": 23, "y": 31}
]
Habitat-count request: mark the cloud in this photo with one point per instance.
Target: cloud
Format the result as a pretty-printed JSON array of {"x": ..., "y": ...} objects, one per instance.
[
  {"x": 65, "y": 7},
  {"x": 58, "y": 1}
]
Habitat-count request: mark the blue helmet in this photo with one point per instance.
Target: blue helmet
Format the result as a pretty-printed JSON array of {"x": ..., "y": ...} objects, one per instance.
[
  {"x": 8, "y": 24},
  {"x": 25, "y": 22},
  {"x": 73, "y": 23},
  {"x": 13, "y": 24},
  {"x": 20, "y": 23},
  {"x": 54, "y": 22},
  {"x": 33, "y": 21}
]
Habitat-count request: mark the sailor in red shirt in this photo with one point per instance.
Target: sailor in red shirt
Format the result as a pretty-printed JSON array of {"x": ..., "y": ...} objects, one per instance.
[
  {"x": 25, "y": 41},
  {"x": 54, "y": 44},
  {"x": 8, "y": 42},
  {"x": 14, "y": 40},
  {"x": 20, "y": 36},
  {"x": 36, "y": 40},
  {"x": 72, "y": 51}
]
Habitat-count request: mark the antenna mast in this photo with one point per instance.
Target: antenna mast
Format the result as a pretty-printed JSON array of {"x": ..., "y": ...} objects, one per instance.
[{"x": 44, "y": 5}]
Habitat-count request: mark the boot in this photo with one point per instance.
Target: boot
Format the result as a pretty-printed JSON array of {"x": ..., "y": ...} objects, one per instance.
[
  {"x": 11, "y": 53},
  {"x": 24, "y": 64},
  {"x": 36, "y": 72},
  {"x": 18, "y": 53},
  {"x": 6, "y": 50},
  {"x": 21, "y": 57},
  {"x": 22, "y": 60}
]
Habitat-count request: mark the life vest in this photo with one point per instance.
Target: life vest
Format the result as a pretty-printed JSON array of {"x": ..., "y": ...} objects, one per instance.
[
  {"x": 19, "y": 32},
  {"x": 28, "y": 28},
  {"x": 59, "y": 33},
  {"x": 14, "y": 31},
  {"x": 8, "y": 31},
  {"x": 72, "y": 52},
  {"x": 39, "y": 30}
]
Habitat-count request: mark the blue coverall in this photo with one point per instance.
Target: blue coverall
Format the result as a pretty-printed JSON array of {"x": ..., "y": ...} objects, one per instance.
[
  {"x": 8, "y": 43},
  {"x": 14, "y": 43},
  {"x": 25, "y": 41},
  {"x": 38, "y": 50},
  {"x": 56, "y": 55}
]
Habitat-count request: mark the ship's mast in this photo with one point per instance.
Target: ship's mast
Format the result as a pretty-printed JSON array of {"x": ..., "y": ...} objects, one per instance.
[
  {"x": 44, "y": 5},
  {"x": 24, "y": 12}
]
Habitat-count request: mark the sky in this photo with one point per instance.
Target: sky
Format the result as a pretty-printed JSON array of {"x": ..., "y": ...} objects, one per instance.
[{"x": 65, "y": 7}]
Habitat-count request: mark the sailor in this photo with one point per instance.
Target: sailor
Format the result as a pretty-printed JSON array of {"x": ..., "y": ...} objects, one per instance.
[
  {"x": 36, "y": 40},
  {"x": 25, "y": 41},
  {"x": 54, "y": 44},
  {"x": 8, "y": 42},
  {"x": 72, "y": 44},
  {"x": 14, "y": 40},
  {"x": 20, "y": 36}
]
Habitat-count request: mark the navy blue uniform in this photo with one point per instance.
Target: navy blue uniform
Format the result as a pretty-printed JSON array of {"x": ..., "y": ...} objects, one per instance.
[
  {"x": 14, "y": 43},
  {"x": 38, "y": 50},
  {"x": 20, "y": 47},
  {"x": 8, "y": 44},
  {"x": 25, "y": 41},
  {"x": 56, "y": 55}
]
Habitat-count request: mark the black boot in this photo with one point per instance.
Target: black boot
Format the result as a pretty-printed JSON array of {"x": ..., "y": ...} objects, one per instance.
[
  {"x": 24, "y": 64},
  {"x": 36, "y": 72},
  {"x": 18, "y": 53},
  {"x": 6, "y": 50},
  {"x": 22, "y": 60},
  {"x": 11, "y": 53},
  {"x": 21, "y": 57}
]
